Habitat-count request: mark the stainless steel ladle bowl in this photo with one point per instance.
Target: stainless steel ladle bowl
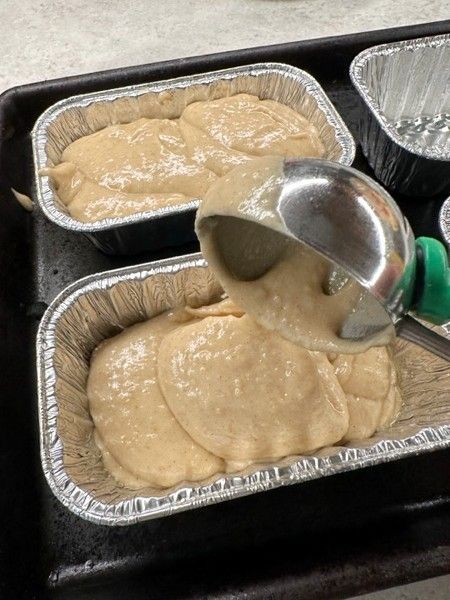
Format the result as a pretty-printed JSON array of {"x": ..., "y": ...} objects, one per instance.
[{"x": 352, "y": 221}]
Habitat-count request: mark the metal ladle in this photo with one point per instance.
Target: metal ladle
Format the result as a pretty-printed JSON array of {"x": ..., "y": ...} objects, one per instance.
[{"x": 352, "y": 221}]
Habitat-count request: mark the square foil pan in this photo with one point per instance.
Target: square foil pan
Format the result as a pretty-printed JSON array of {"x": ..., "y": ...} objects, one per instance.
[
  {"x": 100, "y": 306},
  {"x": 405, "y": 123},
  {"x": 75, "y": 117}
]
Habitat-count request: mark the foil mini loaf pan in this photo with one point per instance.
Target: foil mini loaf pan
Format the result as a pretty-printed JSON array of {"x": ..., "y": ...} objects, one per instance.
[
  {"x": 75, "y": 117},
  {"x": 100, "y": 306},
  {"x": 405, "y": 122}
]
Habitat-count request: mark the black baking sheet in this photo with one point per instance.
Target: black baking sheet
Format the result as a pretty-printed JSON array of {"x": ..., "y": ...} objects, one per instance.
[{"x": 328, "y": 538}]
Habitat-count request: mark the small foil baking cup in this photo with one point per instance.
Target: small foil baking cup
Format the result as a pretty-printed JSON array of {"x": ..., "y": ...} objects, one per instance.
[
  {"x": 405, "y": 121},
  {"x": 102, "y": 305},
  {"x": 73, "y": 118}
]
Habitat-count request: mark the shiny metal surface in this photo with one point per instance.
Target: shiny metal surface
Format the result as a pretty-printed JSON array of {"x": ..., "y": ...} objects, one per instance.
[
  {"x": 412, "y": 330},
  {"x": 404, "y": 127},
  {"x": 75, "y": 117},
  {"x": 444, "y": 221},
  {"x": 354, "y": 222},
  {"x": 342, "y": 214},
  {"x": 100, "y": 305}
]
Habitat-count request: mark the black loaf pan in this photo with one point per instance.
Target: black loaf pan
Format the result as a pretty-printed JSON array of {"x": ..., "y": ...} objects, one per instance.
[{"x": 329, "y": 538}]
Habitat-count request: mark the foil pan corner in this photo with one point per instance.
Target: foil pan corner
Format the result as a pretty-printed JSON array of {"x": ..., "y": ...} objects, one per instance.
[{"x": 404, "y": 88}]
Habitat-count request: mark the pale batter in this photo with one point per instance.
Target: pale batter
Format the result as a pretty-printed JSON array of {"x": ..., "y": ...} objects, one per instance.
[
  {"x": 369, "y": 381},
  {"x": 245, "y": 393},
  {"x": 142, "y": 443},
  {"x": 199, "y": 391},
  {"x": 152, "y": 164},
  {"x": 278, "y": 281},
  {"x": 212, "y": 389},
  {"x": 228, "y": 132}
]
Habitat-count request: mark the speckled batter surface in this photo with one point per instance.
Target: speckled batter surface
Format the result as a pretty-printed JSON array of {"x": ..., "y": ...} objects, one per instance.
[
  {"x": 195, "y": 392},
  {"x": 151, "y": 164}
]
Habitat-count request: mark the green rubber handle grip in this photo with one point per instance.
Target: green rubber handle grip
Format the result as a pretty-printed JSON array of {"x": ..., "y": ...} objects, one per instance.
[{"x": 433, "y": 284}]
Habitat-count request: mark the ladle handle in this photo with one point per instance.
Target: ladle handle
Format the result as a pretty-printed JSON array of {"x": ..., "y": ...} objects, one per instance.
[{"x": 413, "y": 331}]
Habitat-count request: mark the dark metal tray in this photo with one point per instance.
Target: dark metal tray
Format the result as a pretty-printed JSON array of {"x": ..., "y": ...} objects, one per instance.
[{"x": 328, "y": 538}]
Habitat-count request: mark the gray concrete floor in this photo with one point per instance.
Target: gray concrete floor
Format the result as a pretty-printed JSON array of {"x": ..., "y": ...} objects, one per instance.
[
  {"x": 429, "y": 589},
  {"x": 53, "y": 38}
]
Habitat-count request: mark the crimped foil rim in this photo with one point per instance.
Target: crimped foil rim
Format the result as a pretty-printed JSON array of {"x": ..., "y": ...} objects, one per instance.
[
  {"x": 45, "y": 195},
  {"x": 358, "y": 80},
  {"x": 444, "y": 220},
  {"x": 224, "y": 487}
]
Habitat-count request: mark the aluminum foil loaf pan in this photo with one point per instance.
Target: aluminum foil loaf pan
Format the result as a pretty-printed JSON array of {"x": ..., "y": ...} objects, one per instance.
[
  {"x": 100, "y": 306},
  {"x": 405, "y": 122},
  {"x": 75, "y": 117}
]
